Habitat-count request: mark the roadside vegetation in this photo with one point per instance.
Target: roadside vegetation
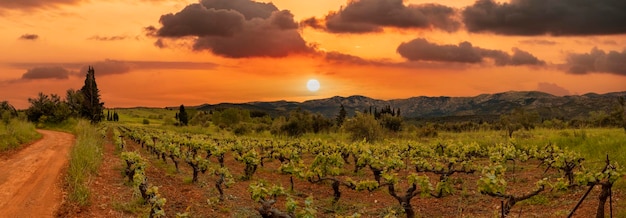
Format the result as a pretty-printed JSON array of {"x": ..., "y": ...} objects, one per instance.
[
  {"x": 14, "y": 131},
  {"x": 85, "y": 158}
]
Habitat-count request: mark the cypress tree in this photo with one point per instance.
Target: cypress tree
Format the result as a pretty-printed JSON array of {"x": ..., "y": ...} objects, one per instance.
[
  {"x": 182, "y": 115},
  {"x": 342, "y": 115},
  {"x": 92, "y": 107},
  {"x": 116, "y": 117}
]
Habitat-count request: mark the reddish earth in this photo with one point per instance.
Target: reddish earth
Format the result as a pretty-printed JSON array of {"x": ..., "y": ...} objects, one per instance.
[
  {"x": 30, "y": 179},
  {"x": 113, "y": 197}
]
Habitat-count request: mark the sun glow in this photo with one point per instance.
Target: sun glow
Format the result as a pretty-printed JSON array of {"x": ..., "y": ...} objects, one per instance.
[{"x": 313, "y": 85}]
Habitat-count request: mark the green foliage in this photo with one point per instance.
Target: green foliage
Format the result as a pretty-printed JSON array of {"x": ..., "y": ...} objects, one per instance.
[
  {"x": 492, "y": 180},
  {"x": 75, "y": 100},
  {"x": 519, "y": 119},
  {"x": 85, "y": 158},
  {"x": 156, "y": 202},
  {"x": 16, "y": 132},
  {"x": 47, "y": 109},
  {"x": 7, "y": 111},
  {"x": 145, "y": 122},
  {"x": 262, "y": 191},
  {"x": 230, "y": 117},
  {"x": 363, "y": 127},
  {"x": 391, "y": 122}
]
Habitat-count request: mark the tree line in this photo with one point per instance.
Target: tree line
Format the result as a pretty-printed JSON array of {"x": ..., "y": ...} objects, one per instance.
[{"x": 84, "y": 103}]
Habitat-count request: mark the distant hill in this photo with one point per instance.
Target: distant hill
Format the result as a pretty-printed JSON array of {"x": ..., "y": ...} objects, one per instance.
[{"x": 485, "y": 107}]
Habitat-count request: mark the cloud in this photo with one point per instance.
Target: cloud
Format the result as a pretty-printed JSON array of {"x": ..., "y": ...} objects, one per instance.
[
  {"x": 32, "y": 4},
  {"x": 249, "y": 9},
  {"x": 538, "y": 42},
  {"x": 46, "y": 73},
  {"x": 553, "y": 17},
  {"x": 234, "y": 28},
  {"x": 334, "y": 58},
  {"x": 552, "y": 88},
  {"x": 108, "y": 38},
  {"x": 197, "y": 20},
  {"x": 108, "y": 67},
  {"x": 167, "y": 65},
  {"x": 597, "y": 61},
  {"x": 363, "y": 16},
  {"x": 32, "y": 37},
  {"x": 341, "y": 58},
  {"x": 421, "y": 50},
  {"x": 122, "y": 65}
]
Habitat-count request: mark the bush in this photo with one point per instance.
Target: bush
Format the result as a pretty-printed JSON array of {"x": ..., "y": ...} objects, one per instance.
[
  {"x": 15, "y": 133},
  {"x": 390, "y": 122},
  {"x": 242, "y": 129},
  {"x": 363, "y": 126},
  {"x": 146, "y": 121},
  {"x": 428, "y": 131}
]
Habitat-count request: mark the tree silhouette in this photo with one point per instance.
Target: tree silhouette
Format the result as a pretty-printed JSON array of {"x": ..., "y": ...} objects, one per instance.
[
  {"x": 92, "y": 108},
  {"x": 342, "y": 115},
  {"x": 182, "y": 115}
]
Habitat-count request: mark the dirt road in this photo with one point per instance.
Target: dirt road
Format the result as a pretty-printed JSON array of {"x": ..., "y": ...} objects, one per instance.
[{"x": 30, "y": 180}]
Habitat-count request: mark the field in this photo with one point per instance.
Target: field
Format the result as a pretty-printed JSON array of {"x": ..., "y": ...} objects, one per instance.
[{"x": 489, "y": 170}]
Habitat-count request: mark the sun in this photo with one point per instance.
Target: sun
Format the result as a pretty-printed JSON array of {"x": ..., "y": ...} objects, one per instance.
[{"x": 313, "y": 85}]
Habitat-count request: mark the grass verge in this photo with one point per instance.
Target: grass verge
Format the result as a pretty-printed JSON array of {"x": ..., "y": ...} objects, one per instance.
[
  {"x": 85, "y": 158},
  {"x": 15, "y": 133}
]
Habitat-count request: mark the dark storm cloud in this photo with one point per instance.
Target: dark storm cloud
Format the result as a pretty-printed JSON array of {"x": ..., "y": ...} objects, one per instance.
[
  {"x": 552, "y": 88},
  {"x": 372, "y": 15},
  {"x": 554, "y": 17},
  {"x": 31, "y": 4},
  {"x": 46, "y": 73},
  {"x": 421, "y": 50},
  {"x": 258, "y": 38},
  {"x": 29, "y": 37},
  {"x": 597, "y": 61},
  {"x": 197, "y": 20},
  {"x": 524, "y": 58},
  {"x": 234, "y": 28},
  {"x": 247, "y": 8}
]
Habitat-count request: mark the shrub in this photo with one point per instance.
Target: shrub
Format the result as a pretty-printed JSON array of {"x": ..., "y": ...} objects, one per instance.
[{"x": 363, "y": 126}]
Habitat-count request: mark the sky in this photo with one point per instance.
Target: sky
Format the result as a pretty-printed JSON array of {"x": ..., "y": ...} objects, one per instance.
[{"x": 160, "y": 53}]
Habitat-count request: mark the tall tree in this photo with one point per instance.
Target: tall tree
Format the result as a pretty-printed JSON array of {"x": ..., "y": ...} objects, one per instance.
[
  {"x": 47, "y": 109},
  {"x": 92, "y": 108},
  {"x": 5, "y": 107},
  {"x": 342, "y": 115},
  {"x": 7, "y": 111},
  {"x": 75, "y": 100},
  {"x": 182, "y": 115}
]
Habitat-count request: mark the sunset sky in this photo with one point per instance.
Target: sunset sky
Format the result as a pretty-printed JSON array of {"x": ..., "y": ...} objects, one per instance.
[{"x": 171, "y": 52}]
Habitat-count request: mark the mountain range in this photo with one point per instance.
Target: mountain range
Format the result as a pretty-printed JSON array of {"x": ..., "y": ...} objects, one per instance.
[{"x": 486, "y": 107}]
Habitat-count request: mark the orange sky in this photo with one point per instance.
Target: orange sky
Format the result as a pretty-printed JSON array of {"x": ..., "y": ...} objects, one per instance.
[{"x": 256, "y": 52}]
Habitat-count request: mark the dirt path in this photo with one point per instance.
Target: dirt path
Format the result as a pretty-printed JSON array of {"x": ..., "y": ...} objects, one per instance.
[{"x": 30, "y": 181}]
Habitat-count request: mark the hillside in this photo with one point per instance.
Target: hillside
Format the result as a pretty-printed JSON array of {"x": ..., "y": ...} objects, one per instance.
[{"x": 484, "y": 107}]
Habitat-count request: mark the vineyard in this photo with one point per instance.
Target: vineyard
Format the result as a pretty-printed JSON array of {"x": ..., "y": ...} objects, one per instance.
[{"x": 178, "y": 174}]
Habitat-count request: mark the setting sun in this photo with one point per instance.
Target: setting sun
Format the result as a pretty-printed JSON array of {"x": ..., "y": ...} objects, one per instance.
[{"x": 313, "y": 85}]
